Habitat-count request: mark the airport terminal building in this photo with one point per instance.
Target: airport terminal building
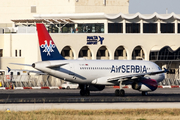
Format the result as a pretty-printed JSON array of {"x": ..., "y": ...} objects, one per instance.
[{"x": 90, "y": 29}]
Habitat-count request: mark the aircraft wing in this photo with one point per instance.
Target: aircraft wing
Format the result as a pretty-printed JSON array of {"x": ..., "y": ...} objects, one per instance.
[{"x": 135, "y": 76}]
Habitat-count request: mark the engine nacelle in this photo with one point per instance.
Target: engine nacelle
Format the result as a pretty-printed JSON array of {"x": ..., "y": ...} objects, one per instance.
[{"x": 145, "y": 85}]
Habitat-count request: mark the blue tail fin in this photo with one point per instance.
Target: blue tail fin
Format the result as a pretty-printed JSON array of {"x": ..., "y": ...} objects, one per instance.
[{"x": 47, "y": 46}]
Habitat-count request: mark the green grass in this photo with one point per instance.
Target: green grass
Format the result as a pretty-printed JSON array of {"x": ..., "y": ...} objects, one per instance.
[{"x": 126, "y": 114}]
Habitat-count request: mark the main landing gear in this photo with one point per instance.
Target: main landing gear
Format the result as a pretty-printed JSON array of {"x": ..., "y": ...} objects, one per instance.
[
  {"x": 120, "y": 91},
  {"x": 84, "y": 90}
]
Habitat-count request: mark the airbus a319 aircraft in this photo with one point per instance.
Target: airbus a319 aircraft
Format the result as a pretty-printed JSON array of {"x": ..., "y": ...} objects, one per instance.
[{"x": 94, "y": 75}]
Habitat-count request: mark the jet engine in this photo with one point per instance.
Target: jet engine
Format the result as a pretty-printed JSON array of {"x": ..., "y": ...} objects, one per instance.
[{"x": 145, "y": 85}]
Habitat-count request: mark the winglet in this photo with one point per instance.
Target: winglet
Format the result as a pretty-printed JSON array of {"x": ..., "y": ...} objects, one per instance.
[{"x": 166, "y": 70}]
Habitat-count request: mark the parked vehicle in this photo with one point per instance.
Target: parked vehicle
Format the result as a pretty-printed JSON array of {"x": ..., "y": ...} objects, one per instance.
[{"x": 69, "y": 85}]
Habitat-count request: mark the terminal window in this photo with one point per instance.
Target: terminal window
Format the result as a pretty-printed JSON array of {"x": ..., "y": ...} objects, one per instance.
[
  {"x": 83, "y": 53},
  {"x": 65, "y": 53},
  {"x": 154, "y": 55},
  {"x": 167, "y": 28},
  {"x": 19, "y": 53},
  {"x": 101, "y": 53},
  {"x": 68, "y": 28},
  {"x": 118, "y": 53},
  {"x": 1, "y": 52},
  {"x": 132, "y": 27},
  {"x": 52, "y": 28},
  {"x": 33, "y": 9},
  {"x": 115, "y": 28},
  {"x": 149, "y": 27},
  {"x": 16, "y": 53},
  {"x": 61, "y": 28},
  {"x": 90, "y": 28},
  {"x": 165, "y": 53},
  {"x": 178, "y": 27}
]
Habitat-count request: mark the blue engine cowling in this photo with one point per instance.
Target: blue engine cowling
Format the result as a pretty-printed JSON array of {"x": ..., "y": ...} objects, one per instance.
[{"x": 145, "y": 85}]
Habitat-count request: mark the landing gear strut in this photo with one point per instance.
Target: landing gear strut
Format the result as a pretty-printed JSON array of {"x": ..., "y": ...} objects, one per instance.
[
  {"x": 84, "y": 90},
  {"x": 120, "y": 91}
]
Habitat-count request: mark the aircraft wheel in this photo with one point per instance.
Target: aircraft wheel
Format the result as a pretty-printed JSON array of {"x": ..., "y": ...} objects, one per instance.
[
  {"x": 82, "y": 92},
  {"x": 68, "y": 87},
  {"x": 117, "y": 92},
  {"x": 144, "y": 93},
  {"x": 87, "y": 92},
  {"x": 121, "y": 92}
]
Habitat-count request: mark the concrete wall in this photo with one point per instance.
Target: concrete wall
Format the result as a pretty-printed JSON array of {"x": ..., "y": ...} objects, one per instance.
[
  {"x": 4, "y": 63},
  {"x": 106, "y": 6},
  {"x": 27, "y": 43},
  {"x": 21, "y": 9}
]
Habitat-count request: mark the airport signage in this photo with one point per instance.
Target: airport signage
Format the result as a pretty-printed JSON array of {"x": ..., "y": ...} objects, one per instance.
[{"x": 93, "y": 40}]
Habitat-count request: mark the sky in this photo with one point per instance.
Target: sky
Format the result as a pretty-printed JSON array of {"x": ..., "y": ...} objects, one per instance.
[{"x": 151, "y": 6}]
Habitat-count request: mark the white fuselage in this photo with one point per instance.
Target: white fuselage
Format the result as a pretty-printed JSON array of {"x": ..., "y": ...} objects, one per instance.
[{"x": 97, "y": 71}]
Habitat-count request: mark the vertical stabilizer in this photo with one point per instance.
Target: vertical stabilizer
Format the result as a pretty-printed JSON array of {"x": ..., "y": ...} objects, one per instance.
[{"x": 47, "y": 46}]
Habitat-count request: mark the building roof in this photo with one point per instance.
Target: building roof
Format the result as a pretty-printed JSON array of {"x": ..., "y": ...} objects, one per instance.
[
  {"x": 158, "y": 48},
  {"x": 109, "y": 16},
  {"x": 41, "y": 20}
]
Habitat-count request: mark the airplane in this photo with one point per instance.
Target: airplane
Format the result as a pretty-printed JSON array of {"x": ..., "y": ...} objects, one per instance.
[{"x": 94, "y": 75}]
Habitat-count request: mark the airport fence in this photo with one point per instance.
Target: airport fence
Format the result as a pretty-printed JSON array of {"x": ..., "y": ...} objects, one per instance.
[
  {"x": 45, "y": 80},
  {"x": 171, "y": 79},
  {"x": 29, "y": 81}
]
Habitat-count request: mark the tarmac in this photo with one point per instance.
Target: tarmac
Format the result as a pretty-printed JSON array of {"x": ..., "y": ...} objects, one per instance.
[
  {"x": 72, "y": 96},
  {"x": 50, "y": 99}
]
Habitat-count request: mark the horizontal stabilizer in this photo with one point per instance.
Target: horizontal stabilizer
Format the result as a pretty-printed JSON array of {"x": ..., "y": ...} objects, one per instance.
[
  {"x": 56, "y": 66},
  {"x": 21, "y": 64}
]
